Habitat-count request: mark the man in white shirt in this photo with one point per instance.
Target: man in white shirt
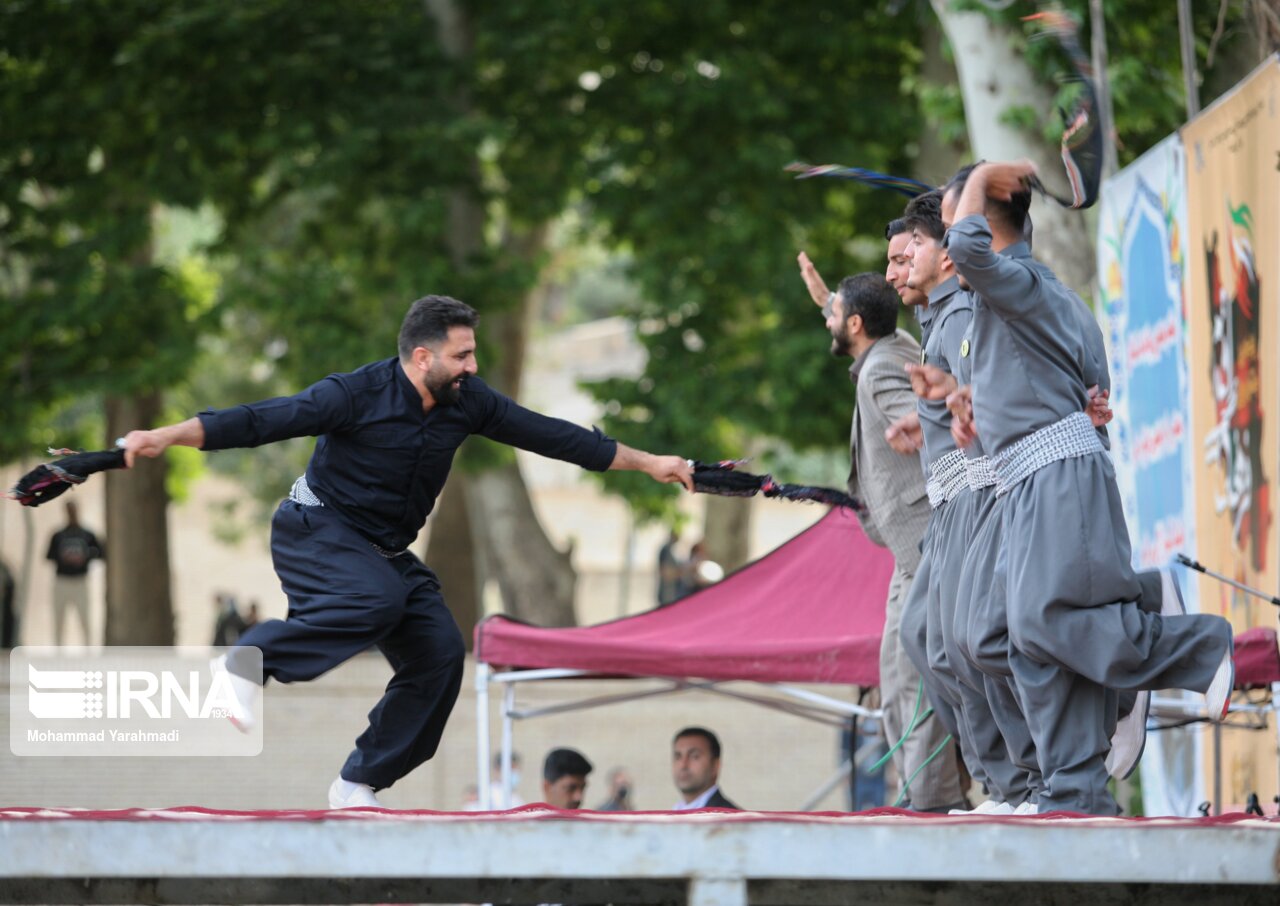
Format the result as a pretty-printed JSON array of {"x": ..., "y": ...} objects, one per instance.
[{"x": 695, "y": 768}]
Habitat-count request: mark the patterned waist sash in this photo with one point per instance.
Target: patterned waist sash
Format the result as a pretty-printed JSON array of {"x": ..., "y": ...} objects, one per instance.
[
  {"x": 980, "y": 472},
  {"x": 947, "y": 478},
  {"x": 302, "y": 495},
  {"x": 1072, "y": 437}
]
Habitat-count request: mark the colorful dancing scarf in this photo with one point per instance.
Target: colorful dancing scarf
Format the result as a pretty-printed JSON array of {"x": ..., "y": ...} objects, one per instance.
[
  {"x": 908, "y": 187},
  {"x": 45, "y": 482},
  {"x": 725, "y": 480},
  {"x": 1082, "y": 139}
]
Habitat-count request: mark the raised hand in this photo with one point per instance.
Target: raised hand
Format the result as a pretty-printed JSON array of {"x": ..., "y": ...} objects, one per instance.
[
  {"x": 1003, "y": 179},
  {"x": 813, "y": 281}
]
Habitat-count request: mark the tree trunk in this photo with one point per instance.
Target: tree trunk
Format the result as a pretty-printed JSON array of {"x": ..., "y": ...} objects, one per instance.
[
  {"x": 536, "y": 579},
  {"x": 994, "y": 77},
  {"x": 139, "y": 602},
  {"x": 937, "y": 158},
  {"x": 452, "y": 556},
  {"x": 727, "y": 531},
  {"x": 22, "y": 590}
]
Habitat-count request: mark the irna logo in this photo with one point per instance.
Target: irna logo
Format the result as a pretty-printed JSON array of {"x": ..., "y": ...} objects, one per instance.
[{"x": 127, "y": 694}]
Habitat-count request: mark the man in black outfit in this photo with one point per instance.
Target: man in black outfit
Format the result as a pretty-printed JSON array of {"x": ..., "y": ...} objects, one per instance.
[
  {"x": 71, "y": 550},
  {"x": 387, "y": 435}
]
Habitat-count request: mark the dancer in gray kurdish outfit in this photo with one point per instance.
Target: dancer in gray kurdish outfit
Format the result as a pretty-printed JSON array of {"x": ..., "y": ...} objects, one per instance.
[
  {"x": 1075, "y": 628},
  {"x": 981, "y": 658},
  {"x": 929, "y": 614},
  {"x": 981, "y": 633}
]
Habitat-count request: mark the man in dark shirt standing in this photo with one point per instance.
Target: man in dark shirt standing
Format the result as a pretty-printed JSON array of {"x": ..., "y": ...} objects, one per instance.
[
  {"x": 72, "y": 549},
  {"x": 387, "y": 433},
  {"x": 670, "y": 584}
]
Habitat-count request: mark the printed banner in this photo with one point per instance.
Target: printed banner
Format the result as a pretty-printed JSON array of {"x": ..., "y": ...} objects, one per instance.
[
  {"x": 1142, "y": 257},
  {"x": 1233, "y": 224}
]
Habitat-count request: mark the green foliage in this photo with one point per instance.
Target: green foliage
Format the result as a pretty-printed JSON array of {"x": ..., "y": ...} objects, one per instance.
[
  {"x": 1144, "y": 66},
  {"x": 690, "y": 113},
  {"x": 324, "y": 146}
]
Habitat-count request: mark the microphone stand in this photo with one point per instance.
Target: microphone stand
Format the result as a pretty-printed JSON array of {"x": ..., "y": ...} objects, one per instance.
[{"x": 1200, "y": 568}]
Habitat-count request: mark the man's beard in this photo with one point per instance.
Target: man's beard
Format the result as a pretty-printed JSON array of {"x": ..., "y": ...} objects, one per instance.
[
  {"x": 840, "y": 343},
  {"x": 441, "y": 388}
]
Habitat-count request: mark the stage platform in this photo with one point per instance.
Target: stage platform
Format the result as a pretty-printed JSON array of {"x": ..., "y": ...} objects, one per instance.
[{"x": 707, "y": 858}]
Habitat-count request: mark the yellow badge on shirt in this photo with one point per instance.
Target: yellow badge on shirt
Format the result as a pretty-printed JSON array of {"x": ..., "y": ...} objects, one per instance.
[{"x": 964, "y": 349}]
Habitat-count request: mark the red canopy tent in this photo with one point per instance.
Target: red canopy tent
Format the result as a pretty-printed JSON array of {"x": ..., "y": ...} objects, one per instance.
[{"x": 811, "y": 611}]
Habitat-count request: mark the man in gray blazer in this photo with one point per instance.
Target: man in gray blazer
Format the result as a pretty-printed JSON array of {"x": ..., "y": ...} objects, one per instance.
[{"x": 862, "y": 316}]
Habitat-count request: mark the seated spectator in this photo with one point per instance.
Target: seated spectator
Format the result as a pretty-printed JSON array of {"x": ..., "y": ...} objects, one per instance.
[
  {"x": 564, "y": 778},
  {"x": 695, "y": 767}
]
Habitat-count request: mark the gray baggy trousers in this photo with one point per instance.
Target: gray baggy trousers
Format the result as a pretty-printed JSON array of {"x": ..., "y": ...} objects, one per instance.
[{"x": 1076, "y": 630}]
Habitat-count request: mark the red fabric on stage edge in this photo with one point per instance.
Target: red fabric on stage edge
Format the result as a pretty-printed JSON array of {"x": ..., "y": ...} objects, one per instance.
[
  {"x": 541, "y": 812},
  {"x": 811, "y": 611},
  {"x": 1257, "y": 658}
]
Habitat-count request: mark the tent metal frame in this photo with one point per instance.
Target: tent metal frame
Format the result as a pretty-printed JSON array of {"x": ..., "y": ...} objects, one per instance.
[
  {"x": 799, "y": 702},
  {"x": 802, "y": 703},
  {"x": 1255, "y": 713}
]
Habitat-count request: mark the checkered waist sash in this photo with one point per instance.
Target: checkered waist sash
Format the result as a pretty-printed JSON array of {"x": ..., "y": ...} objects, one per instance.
[
  {"x": 947, "y": 478},
  {"x": 1072, "y": 437},
  {"x": 302, "y": 495},
  {"x": 980, "y": 473}
]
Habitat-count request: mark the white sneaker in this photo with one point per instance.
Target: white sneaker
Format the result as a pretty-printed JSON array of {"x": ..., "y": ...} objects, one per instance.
[
  {"x": 1129, "y": 739},
  {"x": 992, "y": 807},
  {"x": 345, "y": 794},
  {"x": 989, "y": 807},
  {"x": 1027, "y": 808},
  {"x": 1171, "y": 602},
  {"x": 1217, "y": 699},
  {"x": 245, "y": 693}
]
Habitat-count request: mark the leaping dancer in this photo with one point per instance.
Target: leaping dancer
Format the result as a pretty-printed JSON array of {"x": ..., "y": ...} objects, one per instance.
[{"x": 387, "y": 435}]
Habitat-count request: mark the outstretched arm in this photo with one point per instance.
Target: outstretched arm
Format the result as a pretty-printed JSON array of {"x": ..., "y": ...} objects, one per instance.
[
  {"x": 153, "y": 443},
  {"x": 668, "y": 469}
]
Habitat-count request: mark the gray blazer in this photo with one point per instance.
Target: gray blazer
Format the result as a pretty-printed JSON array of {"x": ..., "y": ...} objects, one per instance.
[{"x": 891, "y": 484}]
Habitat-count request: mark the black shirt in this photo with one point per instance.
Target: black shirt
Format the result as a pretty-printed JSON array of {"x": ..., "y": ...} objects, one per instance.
[
  {"x": 73, "y": 548},
  {"x": 380, "y": 461}
]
